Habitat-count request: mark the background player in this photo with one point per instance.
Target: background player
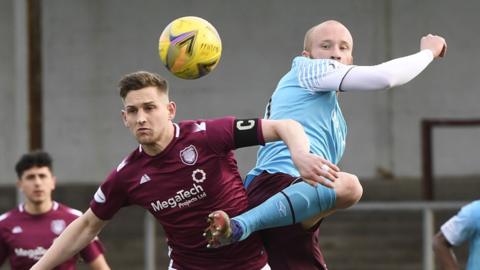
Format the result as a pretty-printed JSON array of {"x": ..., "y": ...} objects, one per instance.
[
  {"x": 464, "y": 226},
  {"x": 27, "y": 231},
  {"x": 308, "y": 93},
  {"x": 180, "y": 173}
]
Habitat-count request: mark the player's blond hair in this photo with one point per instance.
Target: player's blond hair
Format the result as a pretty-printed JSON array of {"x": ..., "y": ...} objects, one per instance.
[{"x": 307, "y": 43}]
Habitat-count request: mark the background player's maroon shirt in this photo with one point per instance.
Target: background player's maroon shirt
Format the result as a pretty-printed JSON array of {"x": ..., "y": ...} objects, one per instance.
[
  {"x": 195, "y": 175},
  {"x": 24, "y": 238}
]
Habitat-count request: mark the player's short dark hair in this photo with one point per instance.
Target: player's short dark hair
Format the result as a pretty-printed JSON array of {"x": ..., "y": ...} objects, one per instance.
[
  {"x": 142, "y": 79},
  {"x": 37, "y": 158}
]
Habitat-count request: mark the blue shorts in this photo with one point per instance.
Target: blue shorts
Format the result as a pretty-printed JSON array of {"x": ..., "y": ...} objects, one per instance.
[{"x": 279, "y": 241}]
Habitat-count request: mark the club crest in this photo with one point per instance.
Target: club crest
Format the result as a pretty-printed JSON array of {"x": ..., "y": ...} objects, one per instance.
[
  {"x": 189, "y": 155},
  {"x": 57, "y": 226}
]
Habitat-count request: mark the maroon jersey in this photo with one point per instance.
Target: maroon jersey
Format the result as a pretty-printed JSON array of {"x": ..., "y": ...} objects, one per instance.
[
  {"x": 193, "y": 176},
  {"x": 24, "y": 237}
]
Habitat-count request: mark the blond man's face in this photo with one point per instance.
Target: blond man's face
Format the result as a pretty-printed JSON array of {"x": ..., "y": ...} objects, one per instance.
[{"x": 331, "y": 41}]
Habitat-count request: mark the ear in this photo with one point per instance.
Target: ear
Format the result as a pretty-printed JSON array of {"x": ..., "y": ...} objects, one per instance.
[
  {"x": 124, "y": 118},
  {"x": 172, "y": 110},
  {"x": 19, "y": 184},
  {"x": 54, "y": 179}
]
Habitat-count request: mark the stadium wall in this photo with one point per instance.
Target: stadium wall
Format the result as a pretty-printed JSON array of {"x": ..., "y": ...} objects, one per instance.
[{"x": 88, "y": 45}]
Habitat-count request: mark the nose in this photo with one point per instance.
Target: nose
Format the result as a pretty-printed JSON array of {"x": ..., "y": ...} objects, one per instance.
[
  {"x": 141, "y": 117},
  {"x": 37, "y": 180},
  {"x": 337, "y": 58},
  {"x": 336, "y": 54}
]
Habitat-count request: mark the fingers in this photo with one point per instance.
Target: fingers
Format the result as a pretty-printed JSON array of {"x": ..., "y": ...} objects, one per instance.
[
  {"x": 444, "y": 50},
  {"x": 316, "y": 170},
  {"x": 321, "y": 181},
  {"x": 435, "y": 43},
  {"x": 328, "y": 174},
  {"x": 331, "y": 165}
]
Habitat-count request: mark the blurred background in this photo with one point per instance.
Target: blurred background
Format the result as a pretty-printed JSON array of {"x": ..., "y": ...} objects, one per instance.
[{"x": 80, "y": 49}]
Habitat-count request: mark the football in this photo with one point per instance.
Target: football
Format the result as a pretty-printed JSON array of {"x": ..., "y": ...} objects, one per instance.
[{"x": 190, "y": 47}]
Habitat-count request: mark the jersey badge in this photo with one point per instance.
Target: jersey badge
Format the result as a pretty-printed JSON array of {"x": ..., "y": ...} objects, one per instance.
[
  {"x": 57, "y": 226},
  {"x": 17, "y": 230},
  {"x": 189, "y": 155}
]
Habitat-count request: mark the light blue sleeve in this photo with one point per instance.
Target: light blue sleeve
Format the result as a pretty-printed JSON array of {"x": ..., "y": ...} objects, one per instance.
[
  {"x": 320, "y": 74},
  {"x": 463, "y": 226}
]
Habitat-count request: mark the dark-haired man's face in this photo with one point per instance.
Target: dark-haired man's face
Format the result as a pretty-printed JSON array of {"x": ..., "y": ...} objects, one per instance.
[{"x": 37, "y": 184}]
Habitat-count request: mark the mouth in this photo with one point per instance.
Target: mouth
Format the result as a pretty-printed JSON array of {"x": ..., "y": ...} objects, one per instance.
[{"x": 142, "y": 130}]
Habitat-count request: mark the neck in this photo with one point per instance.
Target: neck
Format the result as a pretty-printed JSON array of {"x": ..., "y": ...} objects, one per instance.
[
  {"x": 38, "y": 208},
  {"x": 160, "y": 145}
]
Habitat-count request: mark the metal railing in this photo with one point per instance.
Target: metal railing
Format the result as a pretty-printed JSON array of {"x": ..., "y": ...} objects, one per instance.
[
  {"x": 428, "y": 224},
  {"x": 427, "y": 209}
]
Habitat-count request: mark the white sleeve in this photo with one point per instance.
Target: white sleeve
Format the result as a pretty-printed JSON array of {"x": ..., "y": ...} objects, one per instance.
[
  {"x": 458, "y": 229},
  {"x": 386, "y": 75}
]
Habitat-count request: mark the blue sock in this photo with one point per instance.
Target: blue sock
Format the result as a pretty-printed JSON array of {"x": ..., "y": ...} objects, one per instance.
[{"x": 294, "y": 204}]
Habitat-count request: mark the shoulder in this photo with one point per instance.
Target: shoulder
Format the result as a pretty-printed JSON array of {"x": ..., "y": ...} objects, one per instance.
[
  {"x": 7, "y": 216},
  {"x": 302, "y": 61},
  {"x": 68, "y": 210},
  {"x": 471, "y": 210},
  {"x": 195, "y": 126},
  {"x": 4, "y": 217},
  {"x": 128, "y": 165}
]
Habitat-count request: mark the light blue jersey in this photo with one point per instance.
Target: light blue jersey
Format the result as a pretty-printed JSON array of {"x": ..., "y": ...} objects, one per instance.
[
  {"x": 465, "y": 226},
  {"x": 300, "y": 96}
]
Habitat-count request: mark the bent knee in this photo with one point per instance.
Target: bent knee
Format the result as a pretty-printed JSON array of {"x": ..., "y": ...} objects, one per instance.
[{"x": 348, "y": 190}]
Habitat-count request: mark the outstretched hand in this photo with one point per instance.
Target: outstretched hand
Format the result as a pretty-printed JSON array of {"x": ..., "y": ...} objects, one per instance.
[
  {"x": 436, "y": 44},
  {"x": 316, "y": 170}
]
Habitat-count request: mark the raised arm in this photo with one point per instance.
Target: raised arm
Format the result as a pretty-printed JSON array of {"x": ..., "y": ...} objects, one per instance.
[
  {"x": 389, "y": 74},
  {"x": 75, "y": 237},
  {"x": 312, "y": 168},
  {"x": 395, "y": 72}
]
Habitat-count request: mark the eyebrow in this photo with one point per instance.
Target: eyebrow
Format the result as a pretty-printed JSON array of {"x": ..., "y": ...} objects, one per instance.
[
  {"x": 143, "y": 104},
  {"x": 35, "y": 174}
]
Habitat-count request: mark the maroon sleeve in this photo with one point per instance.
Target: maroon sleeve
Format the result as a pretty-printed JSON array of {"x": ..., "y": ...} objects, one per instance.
[
  {"x": 92, "y": 251},
  {"x": 228, "y": 133},
  {"x": 109, "y": 197}
]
